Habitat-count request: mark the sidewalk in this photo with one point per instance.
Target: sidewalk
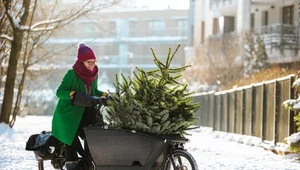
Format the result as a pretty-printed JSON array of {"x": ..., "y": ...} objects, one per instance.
[{"x": 279, "y": 149}]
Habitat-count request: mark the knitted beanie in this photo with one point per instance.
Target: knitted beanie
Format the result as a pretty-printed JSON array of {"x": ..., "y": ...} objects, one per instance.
[{"x": 85, "y": 53}]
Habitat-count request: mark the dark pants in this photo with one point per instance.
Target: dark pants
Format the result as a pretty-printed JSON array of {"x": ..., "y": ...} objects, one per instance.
[{"x": 88, "y": 118}]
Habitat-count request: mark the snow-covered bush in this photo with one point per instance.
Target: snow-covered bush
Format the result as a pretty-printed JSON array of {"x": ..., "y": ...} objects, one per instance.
[
  {"x": 294, "y": 142},
  {"x": 294, "y": 104}
]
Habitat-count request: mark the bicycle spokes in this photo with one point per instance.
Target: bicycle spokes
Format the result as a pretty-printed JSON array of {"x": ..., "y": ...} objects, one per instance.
[
  {"x": 180, "y": 160},
  {"x": 181, "y": 165}
]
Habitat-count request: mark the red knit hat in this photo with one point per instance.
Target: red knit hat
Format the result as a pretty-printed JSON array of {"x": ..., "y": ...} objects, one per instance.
[{"x": 85, "y": 53}]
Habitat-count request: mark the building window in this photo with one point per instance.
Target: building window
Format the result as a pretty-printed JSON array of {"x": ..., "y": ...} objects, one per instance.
[
  {"x": 288, "y": 15},
  {"x": 182, "y": 26},
  {"x": 265, "y": 18},
  {"x": 112, "y": 26},
  {"x": 252, "y": 22},
  {"x": 88, "y": 30},
  {"x": 156, "y": 28},
  {"x": 202, "y": 32},
  {"x": 216, "y": 26},
  {"x": 228, "y": 24},
  {"x": 133, "y": 29}
]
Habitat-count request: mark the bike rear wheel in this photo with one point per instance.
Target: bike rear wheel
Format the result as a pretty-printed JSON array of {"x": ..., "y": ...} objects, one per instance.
[{"x": 183, "y": 161}]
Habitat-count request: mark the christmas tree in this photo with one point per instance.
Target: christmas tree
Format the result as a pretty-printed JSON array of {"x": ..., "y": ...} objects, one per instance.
[{"x": 153, "y": 101}]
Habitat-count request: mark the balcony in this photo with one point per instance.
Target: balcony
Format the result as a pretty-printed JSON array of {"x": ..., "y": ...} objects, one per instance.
[
  {"x": 220, "y": 4},
  {"x": 280, "y": 36}
]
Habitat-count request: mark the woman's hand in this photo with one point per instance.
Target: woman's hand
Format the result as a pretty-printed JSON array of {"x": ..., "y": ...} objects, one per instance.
[{"x": 72, "y": 94}]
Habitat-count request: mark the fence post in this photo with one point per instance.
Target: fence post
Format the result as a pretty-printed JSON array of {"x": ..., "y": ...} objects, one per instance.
[
  {"x": 239, "y": 111},
  {"x": 231, "y": 111},
  {"x": 205, "y": 104},
  {"x": 247, "y": 110},
  {"x": 197, "y": 98},
  {"x": 269, "y": 111},
  {"x": 258, "y": 110},
  {"x": 293, "y": 127},
  {"x": 217, "y": 112},
  {"x": 278, "y": 103},
  {"x": 211, "y": 112},
  {"x": 224, "y": 113}
]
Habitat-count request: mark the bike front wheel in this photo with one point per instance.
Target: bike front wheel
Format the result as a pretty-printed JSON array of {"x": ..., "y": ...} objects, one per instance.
[{"x": 183, "y": 160}]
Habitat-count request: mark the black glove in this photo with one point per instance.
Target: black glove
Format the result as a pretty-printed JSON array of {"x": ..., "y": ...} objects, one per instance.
[
  {"x": 85, "y": 100},
  {"x": 109, "y": 97}
]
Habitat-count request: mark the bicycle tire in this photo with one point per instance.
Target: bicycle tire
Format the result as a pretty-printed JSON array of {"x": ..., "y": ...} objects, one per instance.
[
  {"x": 86, "y": 164},
  {"x": 180, "y": 155}
]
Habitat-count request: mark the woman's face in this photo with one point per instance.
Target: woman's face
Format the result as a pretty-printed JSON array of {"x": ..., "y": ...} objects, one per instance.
[{"x": 90, "y": 64}]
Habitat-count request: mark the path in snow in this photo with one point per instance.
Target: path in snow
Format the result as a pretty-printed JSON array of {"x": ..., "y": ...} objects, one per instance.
[{"x": 210, "y": 152}]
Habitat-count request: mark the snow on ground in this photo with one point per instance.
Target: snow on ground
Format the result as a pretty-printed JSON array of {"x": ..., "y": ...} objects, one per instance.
[{"x": 210, "y": 150}]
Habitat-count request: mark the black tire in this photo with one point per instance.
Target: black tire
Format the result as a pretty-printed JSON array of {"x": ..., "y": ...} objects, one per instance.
[
  {"x": 183, "y": 161},
  {"x": 86, "y": 164}
]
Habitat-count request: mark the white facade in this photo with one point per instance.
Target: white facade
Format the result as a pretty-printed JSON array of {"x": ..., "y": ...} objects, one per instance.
[
  {"x": 123, "y": 40},
  {"x": 276, "y": 20}
]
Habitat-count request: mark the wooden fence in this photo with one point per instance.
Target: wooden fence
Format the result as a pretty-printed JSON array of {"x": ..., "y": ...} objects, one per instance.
[{"x": 254, "y": 110}]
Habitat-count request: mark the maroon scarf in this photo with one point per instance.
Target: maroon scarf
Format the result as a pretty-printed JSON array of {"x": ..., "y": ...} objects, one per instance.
[{"x": 85, "y": 74}]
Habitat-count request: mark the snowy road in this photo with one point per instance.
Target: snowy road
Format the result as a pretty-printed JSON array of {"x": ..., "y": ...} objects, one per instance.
[{"x": 210, "y": 152}]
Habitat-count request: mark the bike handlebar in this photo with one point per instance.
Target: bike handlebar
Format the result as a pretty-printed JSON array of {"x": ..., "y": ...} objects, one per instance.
[{"x": 86, "y": 100}]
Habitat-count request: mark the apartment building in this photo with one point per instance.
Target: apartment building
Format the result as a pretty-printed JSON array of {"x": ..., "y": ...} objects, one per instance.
[
  {"x": 276, "y": 21},
  {"x": 122, "y": 39}
]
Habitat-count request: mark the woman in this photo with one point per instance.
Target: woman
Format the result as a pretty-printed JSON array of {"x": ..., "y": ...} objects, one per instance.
[{"x": 68, "y": 120}]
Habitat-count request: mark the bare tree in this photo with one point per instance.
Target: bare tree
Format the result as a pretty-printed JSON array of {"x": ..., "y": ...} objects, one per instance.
[
  {"x": 30, "y": 27},
  {"x": 224, "y": 58},
  {"x": 256, "y": 58},
  {"x": 218, "y": 61},
  {"x": 227, "y": 58},
  {"x": 4, "y": 43},
  {"x": 15, "y": 21}
]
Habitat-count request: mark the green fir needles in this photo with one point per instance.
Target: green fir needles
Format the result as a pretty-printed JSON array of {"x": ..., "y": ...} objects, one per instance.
[{"x": 153, "y": 101}]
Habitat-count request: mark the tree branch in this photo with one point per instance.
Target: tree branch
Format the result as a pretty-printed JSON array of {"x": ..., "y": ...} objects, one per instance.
[{"x": 9, "y": 38}]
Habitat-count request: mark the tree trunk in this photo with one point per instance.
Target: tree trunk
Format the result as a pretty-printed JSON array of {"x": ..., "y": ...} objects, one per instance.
[
  {"x": 16, "y": 46},
  {"x": 16, "y": 110}
]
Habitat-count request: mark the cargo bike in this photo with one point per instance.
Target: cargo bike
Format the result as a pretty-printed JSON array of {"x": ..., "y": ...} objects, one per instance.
[{"x": 115, "y": 149}]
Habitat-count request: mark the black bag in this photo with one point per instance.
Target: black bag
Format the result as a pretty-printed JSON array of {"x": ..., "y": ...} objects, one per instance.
[{"x": 44, "y": 145}]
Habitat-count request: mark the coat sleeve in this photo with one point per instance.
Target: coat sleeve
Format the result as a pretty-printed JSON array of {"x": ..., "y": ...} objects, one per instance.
[{"x": 65, "y": 88}]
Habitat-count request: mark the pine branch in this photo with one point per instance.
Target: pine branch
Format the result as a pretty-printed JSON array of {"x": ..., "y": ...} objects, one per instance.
[{"x": 153, "y": 101}]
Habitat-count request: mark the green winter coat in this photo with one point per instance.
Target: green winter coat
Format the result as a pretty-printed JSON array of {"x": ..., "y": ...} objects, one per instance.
[{"x": 66, "y": 117}]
